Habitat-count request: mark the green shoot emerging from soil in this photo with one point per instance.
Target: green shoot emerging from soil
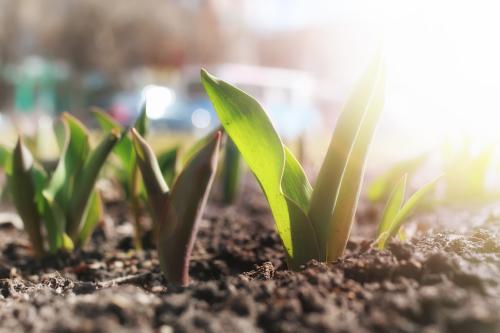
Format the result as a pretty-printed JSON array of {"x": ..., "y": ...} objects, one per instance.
[
  {"x": 397, "y": 211},
  {"x": 127, "y": 170},
  {"x": 312, "y": 224},
  {"x": 466, "y": 173},
  {"x": 176, "y": 212},
  {"x": 65, "y": 201},
  {"x": 380, "y": 188}
]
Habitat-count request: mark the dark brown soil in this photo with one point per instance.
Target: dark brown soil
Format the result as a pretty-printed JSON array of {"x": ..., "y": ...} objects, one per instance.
[{"x": 444, "y": 279}]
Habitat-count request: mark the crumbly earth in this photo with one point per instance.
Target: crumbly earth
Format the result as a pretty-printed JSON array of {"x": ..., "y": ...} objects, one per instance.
[{"x": 445, "y": 278}]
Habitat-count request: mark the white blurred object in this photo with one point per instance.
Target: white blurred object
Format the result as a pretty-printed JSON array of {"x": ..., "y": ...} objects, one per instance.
[
  {"x": 201, "y": 118},
  {"x": 157, "y": 99},
  {"x": 13, "y": 218}
]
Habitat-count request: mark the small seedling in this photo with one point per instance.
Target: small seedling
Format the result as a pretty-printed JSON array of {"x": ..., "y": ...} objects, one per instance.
[
  {"x": 466, "y": 173},
  {"x": 65, "y": 201},
  {"x": 380, "y": 188},
  {"x": 312, "y": 223},
  {"x": 127, "y": 171},
  {"x": 397, "y": 211},
  {"x": 176, "y": 212}
]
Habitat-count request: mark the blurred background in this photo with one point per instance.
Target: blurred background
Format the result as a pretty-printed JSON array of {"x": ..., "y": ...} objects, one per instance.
[{"x": 299, "y": 58}]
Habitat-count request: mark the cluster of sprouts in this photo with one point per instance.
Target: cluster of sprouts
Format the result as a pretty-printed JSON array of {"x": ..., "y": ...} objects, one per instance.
[{"x": 60, "y": 207}]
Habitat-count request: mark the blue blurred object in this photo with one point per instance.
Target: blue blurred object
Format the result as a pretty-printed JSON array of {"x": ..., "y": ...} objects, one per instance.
[{"x": 285, "y": 94}]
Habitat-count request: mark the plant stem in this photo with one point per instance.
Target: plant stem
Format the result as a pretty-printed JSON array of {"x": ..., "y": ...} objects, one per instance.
[{"x": 136, "y": 207}]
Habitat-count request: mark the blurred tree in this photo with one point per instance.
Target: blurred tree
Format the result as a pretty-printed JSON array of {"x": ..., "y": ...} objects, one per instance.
[{"x": 110, "y": 36}]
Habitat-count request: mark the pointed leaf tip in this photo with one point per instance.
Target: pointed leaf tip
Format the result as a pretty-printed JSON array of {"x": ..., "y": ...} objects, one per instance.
[
  {"x": 24, "y": 158},
  {"x": 248, "y": 125},
  {"x": 155, "y": 185},
  {"x": 185, "y": 208},
  {"x": 138, "y": 143},
  {"x": 394, "y": 204},
  {"x": 209, "y": 78},
  {"x": 218, "y": 135},
  {"x": 141, "y": 123}
]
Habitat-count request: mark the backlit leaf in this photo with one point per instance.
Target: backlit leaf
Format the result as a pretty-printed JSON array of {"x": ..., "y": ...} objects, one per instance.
[
  {"x": 251, "y": 130},
  {"x": 123, "y": 149},
  {"x": 93, "y": 215},
  {"x": 5, "y": 159},
  {"x": 142, "y": 123},
  {"x": 394, "y": 204},
  {"x": 76, "y": 149},
  {"x": 87, "y": 178},
  {"x": 347, "y": 136},
  {"x": 404, "y": 212},
  {"x": 382, "y": 186}
]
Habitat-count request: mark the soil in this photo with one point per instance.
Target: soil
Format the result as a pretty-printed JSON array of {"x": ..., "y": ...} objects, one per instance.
[{"x": 444, "y": 278}]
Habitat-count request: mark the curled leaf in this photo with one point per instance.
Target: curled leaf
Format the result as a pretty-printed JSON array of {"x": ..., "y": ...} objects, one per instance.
[
  {"x": 24, "y": 195},
  {"x": 391, "y": 227},
  {"x": 156, "y": 187},
  {"x": 167, "y": 161},
  {"x": 184, "y": 209},
  {"x": 93, "y": 215},
  {"x": 394, "y": 204},
  {"x": 87, "y": 178}
]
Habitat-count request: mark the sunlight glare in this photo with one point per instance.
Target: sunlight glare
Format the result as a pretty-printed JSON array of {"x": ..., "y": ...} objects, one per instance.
[{"x": 443, "y": 62}]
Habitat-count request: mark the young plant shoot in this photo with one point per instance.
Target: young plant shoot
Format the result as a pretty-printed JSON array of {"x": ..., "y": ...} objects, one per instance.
[
  {"x": 127, "y": 171},
  {"x": 380, "y": 188},
  {"x": 466, "y": 172},
  {"x": 65, "y": 202},
  {"x": 176, "y": 212},
  {"x": 312, "y": 223},
  {"x": 397, "y": 211}
]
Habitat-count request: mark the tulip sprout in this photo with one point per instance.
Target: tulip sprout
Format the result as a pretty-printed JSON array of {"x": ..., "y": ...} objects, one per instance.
[
  {"x": 127, "y": 171},
  {"x": 397, "y": 211},
  {"x": 176, "y": 212},
  {"x": 312, "y": 223},
  {"x": 65, "y": 202}
]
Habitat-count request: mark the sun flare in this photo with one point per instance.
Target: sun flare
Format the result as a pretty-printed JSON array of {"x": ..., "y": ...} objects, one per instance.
[{"x": 444, "y": 75}]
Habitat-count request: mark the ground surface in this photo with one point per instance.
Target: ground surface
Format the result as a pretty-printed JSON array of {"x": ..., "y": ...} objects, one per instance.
[{"x": 445, "y": 279}]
